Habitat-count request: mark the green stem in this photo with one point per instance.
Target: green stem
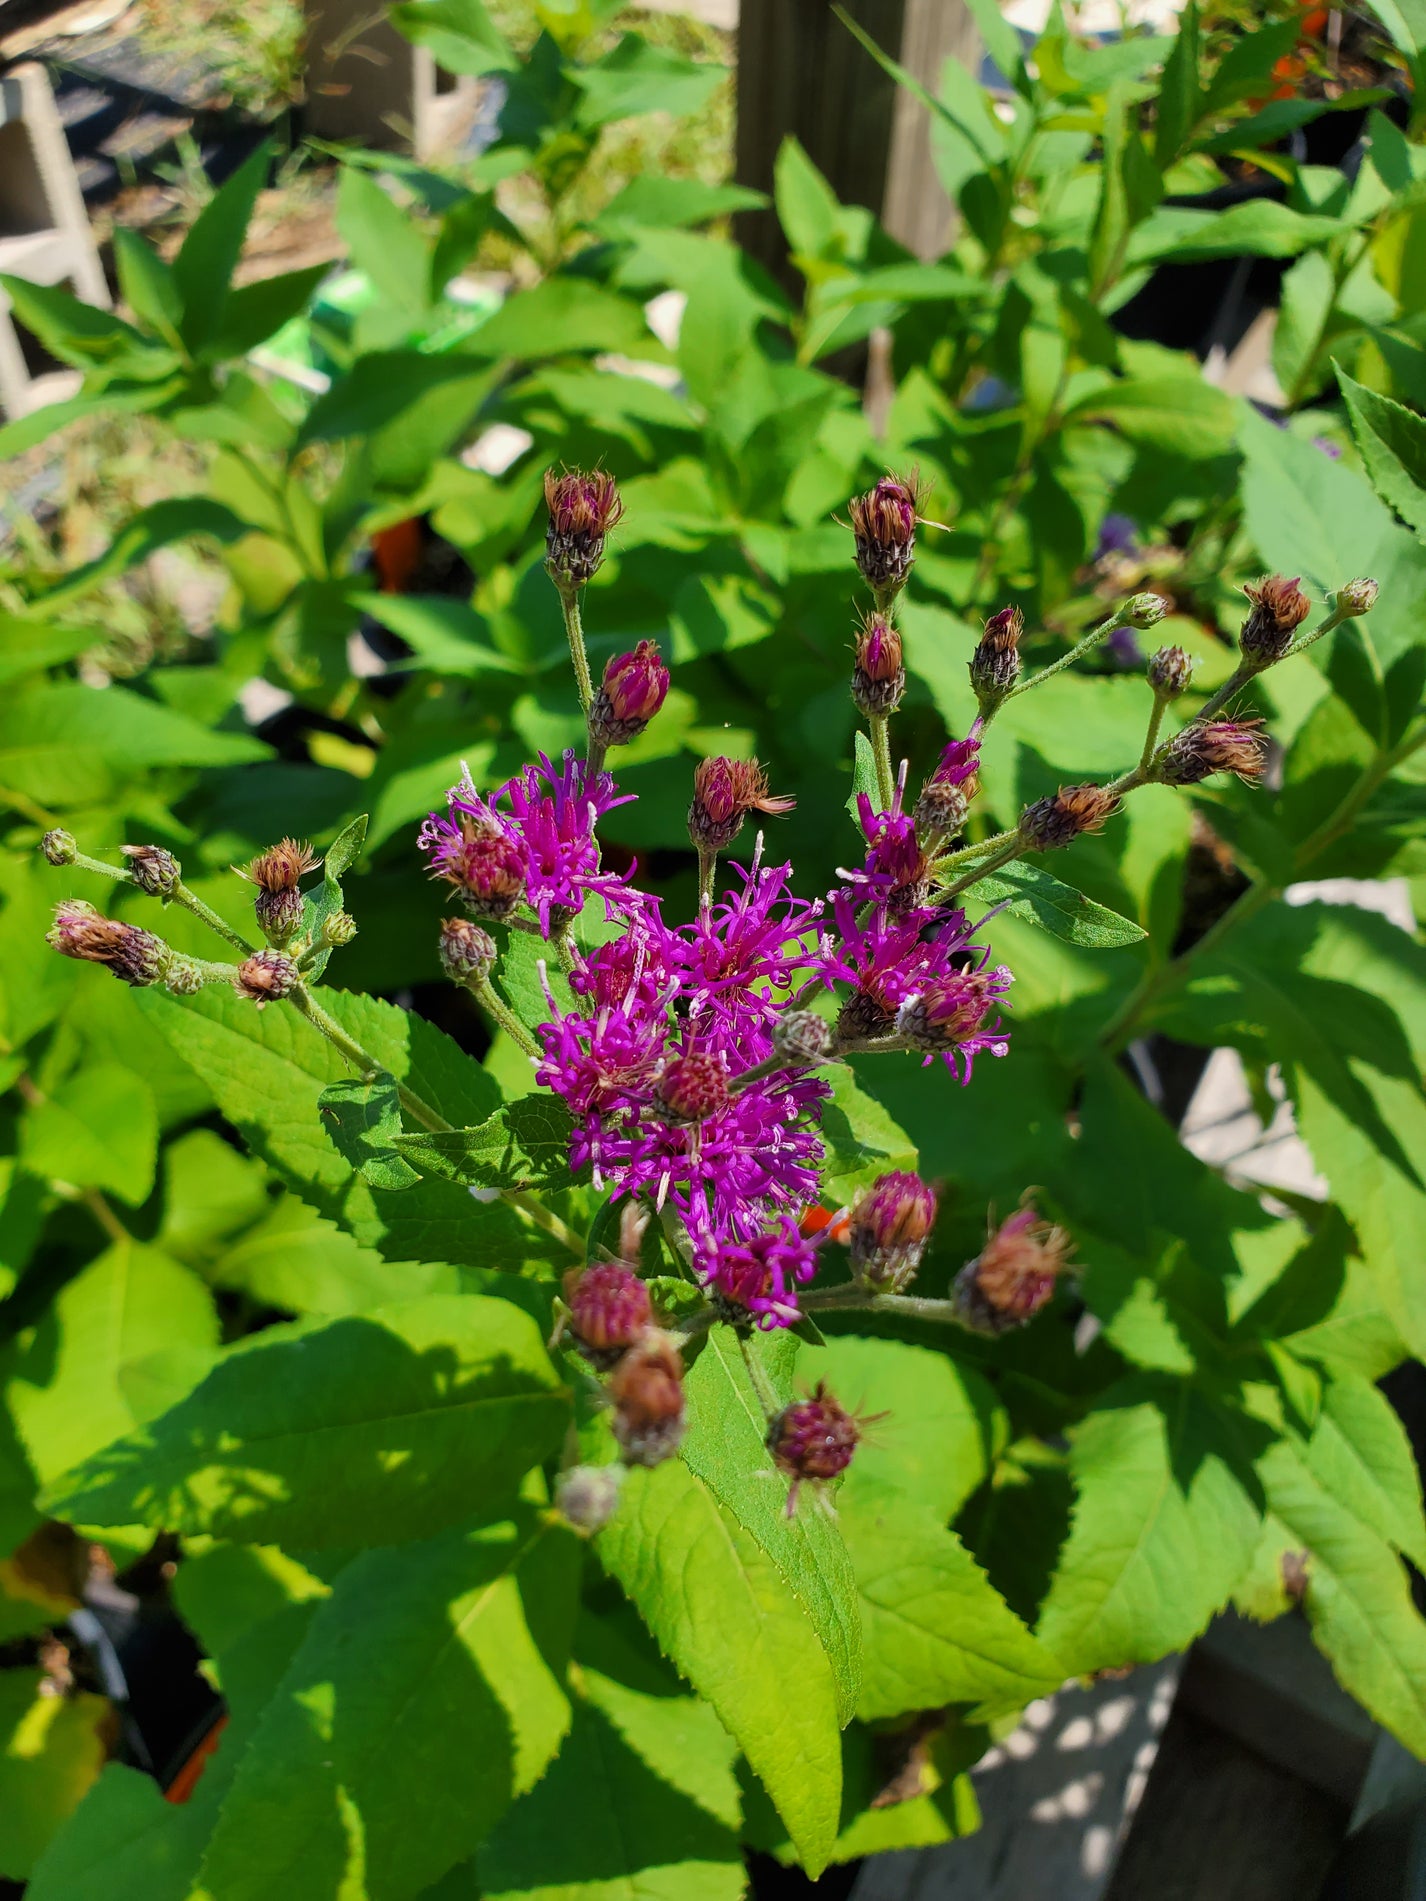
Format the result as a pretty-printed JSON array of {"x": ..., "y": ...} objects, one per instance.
[
  {"x": 880, "y": 728},
  {"x": 707, "y": 872},
  {"x": 1151, "y": 737},
  {"x": 502, "y": 1016},
  {"x": 1092, "y": 639},
  {"x": 545, "y": 1218},
  {"x": 363, "y": 1061},
  {"x": 852, "y": 1295},
  {"x": 1002, "y": 857},
  {"x": 574, "y": 631},
  {"x": 977, "y": 850},
  {"x": 205, "y": 912}
]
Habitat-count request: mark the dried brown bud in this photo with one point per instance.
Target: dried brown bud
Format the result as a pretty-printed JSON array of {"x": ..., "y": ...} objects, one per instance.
[
  {"x": 647, "y": 1392},
  {"x": 724, "y": 792},
  {"x": 584, "y": 506},
  {"x": 280, "y": 867},
  {"x": 1053, "y": 822},
  {"x": 879, "y": 675},
  {"x": 1279, "y": 608},
  {"x": 1169, "y": 672},
  {"x": 136, "y": 957},
  {"x": 884, "y": 523},
  {"x": 265, "y": 977},
  {"x": 995, "y": 664},
  {"x": 153, "y": 869},
  {"x": 1220, "y": 745}
]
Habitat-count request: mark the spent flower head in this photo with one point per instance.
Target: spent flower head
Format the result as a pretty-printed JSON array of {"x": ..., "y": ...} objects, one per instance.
[
  {"x": 1277, "y": 609},
  {"x": 136, "y": 957},
  {"x": 583, "y": 506},
  {"x": 1054, "y": 822},
  {"x": 1238, "y": 746},
  {"x": 1013, "y": 1276}
]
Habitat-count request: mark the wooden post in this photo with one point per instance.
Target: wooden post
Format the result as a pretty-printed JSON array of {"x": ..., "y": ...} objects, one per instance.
[{"x": 801, "y": 72}]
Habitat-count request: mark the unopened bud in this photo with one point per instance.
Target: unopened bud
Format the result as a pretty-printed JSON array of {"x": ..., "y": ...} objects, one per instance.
[
  {"x": 59, "y": 847},
  {"x": 884, "y": 523},
  {"x": 1014, "y": 1275},
  {"x": 1143, "y": 610},
  {"x": 339, "y": 929},
  {"x": 724, "y": 792},
  {"x": 945, "y": 798},
  {"x": 279, "y": 914},
  {"x": 995, "y": 664},
  {"x": 813, "y": 1440},
  {"x": 587, "y": 1496},
  {"x": 1169, "y": 672},
  {"x": 647, "y": 1392},
  {"x": 153, "y": 869},
  {"x": 136, "y": 957},
  {"x": 951, "y": 1013},
  {"x": 467, "y": 952},
  {"x": 1357, "y": 597},
  {"x": 609, "y": 1309},
  {"x": 801, "y": 1036},
  {"x": 1054, "y": 822},
  {"x": 1224, "y": 745},
  {"x": 889, "y": 1227},
  {"x": 583, "y": 507},
  {"x": 1278, "y": 609},
  {"x": 266, "y": 977},
  {"x": 879, "y": 674},
  {"x": 633, "y": 690},
  {"x": 693, "y": 1087},
  {"x": 183, "y": 978}
]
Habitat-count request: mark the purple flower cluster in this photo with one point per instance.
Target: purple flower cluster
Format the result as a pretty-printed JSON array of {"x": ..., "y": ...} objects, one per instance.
[{"x": 666, "y": 1046}]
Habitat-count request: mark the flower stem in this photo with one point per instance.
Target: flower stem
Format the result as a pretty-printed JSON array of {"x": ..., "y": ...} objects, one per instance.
[
  {"x": 880, "y": 727},
  {"x": 545, "y": 1218},
  {"x": 853, "y": 1294},
  {"x": 1151, "y": 736},
  {"x": 1002, "y": 857},
  {"x": 415, "y": 1106},
  {"x": 179, "y": 895},
  {"x": 502, "y": 1016},
  {"x": 976, "y": 850},
  {"x": 574, "y": 631},
  {"x": 707, "y": 872},
  {"x": 1092, "y": 639}
]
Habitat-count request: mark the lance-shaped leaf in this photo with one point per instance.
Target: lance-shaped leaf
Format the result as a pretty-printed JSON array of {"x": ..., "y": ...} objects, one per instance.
[
  {"x": 1027, "y": 892},
  {"x": 525, "y": 1144},
  {"x": 388, "y": 1426},
  {"x": 1392, "y": 440},
  {"x": 426, "y": 1696}
]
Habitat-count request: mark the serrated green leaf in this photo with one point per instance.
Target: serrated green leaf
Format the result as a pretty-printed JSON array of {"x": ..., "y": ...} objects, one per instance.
[
  {"x": 1392, "y": 440},
  {"x": 397, "y": 1422},
  {"x": 99, "y": 1129},
  {"x": 525, "y": 1144},
  {"x": 362, "y": 1116},
  {"x": 1040, "y": 898},
  {"x": 721, "y": 1611},
  {"x": 295, "y": 1261},
  {"x": 426, "y": 1696},
  {"x": 1164, "y": 1525},
  {"x": 862, "y": 1140},
  {"x": 936, "y": 1629}
]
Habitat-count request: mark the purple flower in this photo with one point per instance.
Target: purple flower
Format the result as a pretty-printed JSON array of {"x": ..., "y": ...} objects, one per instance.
[
  {"x": 739, "y": 957},
  {"x": 955, "y": 1018},
  {"x": 1118, "y": 534},
  {"x": 761, "y": 1273},
  {"x": 960, "y": 762},
  {"x": 894, "y": 869}
]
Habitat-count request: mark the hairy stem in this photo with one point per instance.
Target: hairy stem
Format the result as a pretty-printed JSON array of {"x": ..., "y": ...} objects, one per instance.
[
  {"x": 502, "y": 1016},
  {"x": 1014, "y": 849},
  {"x": 362, "y": 1060},
  {"x": 574, "y": 631},
  {"x": 180, "y": 894},
  {"x": 707, "y": 872},
  {"x": 1094, "y": 638},
  {"x": 854, "y": 1295}
]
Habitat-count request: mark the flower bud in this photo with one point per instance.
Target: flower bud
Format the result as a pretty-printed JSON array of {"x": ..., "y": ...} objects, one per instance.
[
  {"x": 136, "y": 957},
  {"x": 1222, "y": 745},
  {"x": 1143, "y": 610},
  {"x": 940, "y": 811},
  {"x": 801, "y": 1036},
  {"x": 1013, "y": 1276},
  {"x": 693, "y": 1087},
  {"x": 183, "y": 978},
  {"x": 484, "y": 865},
  {"x": 884, "y": 523},
  {"x": 59, "y": 847},
  {"x": 647, "y": 1392},
  {"x": 995, "y": 664},
  {"x": 813, "y": 1439},
  {"x": 888, "y": 1229},
  {"x": 277, "y": 873},
  {"x": 339, "y": 929},
  {"x": 467, "y": 952},
  {"x": 632, "y": 692},
  {"x": 583, "y": 507},
  {"x": 879, "y": 675},
  {"x": 1169, "y": 672},
  {"x": 609, "y": 1309},
  {"x": 587, "y": 1496},
  {"x": 1053, "y": 822},
  {"x": 265, "y": 977},
  {"x": 724, "y": 792},
  {"x": 154, "y": 870},
  {"x": 1278, "y": 609},
  {"x": 1357, "y": 597},
  {"x": 947, "y": 1015}
]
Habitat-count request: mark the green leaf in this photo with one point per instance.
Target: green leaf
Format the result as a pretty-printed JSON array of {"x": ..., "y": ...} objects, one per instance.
[
  {"x": 123, "y": 1340},
  {"x": 1260, "y": 228},
  {"x": 426, "y": 1696},
  {"x": 255, "y": 312},
  {"x": 301, "y": 1264},
  {"x": 315, "y": 1434},
  {"x": 1163, "y": 1528},
  {"x": 863, "y": 774},
  {"x": 51, "y": 1750},
  {"x": 385, "y": 386},
  {"x": 641, "y": 1800},
  {"x": 862, "y": 1140},
  {"x": 385, "y": 242},
  {"x": 82, "y": 334},
  {"x": 363, "y": 1118},
  {"x": 722, "y": 1612},
  {"x": 565, "y": 316},
  {"x": 447, "y": 636},
  {"x": 1177, "y": 415},
  {"x": 31, "y": 645},
  {"x": 326, "y": 901},
  {"x": 936, "y": 1630},
  {"x": 178, "y": 519},
  {"x": 460, "y": 33},
  {"x": 1180, "y": 93},
  {"x": 203, "y": 269},
  {"x": 525, "y": 1144},
  {"x": 146, "y": 282},
  {"x": 653, "y": 199},
  {"x": 636, "y": 77},
  {"x": 99, "y": 1129},
  {"x": 1040, "y": 898},
  {"x": 1392, "y": 440}
]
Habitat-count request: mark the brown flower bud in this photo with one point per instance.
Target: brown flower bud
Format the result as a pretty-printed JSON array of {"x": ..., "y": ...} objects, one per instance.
[
  {"x": 724, "y": 792},
  {"x": 1053, "y": 822},
  {"x": 1220, "y": 745},
  {"x": 1013, "y": 1276},
  {"x": 879, "y": 675},
  {"x": 265, "y": 977},
  {"x": 609, "y": 1309},
  {"x": 583, "y": 507},
  {"x": 1169, "y": 672},
  {"x": 995, "y": 664},
  {"x": 466, "y": 950},
  {"x": 1279, "y": 608},
  {"x": 647, "y": 1392},
  {"x": 154, "y": 870},
  {"x": 277, "y": 873},
  {"x": 884, "y": 523},
  {"x": 136, "y": 957}
]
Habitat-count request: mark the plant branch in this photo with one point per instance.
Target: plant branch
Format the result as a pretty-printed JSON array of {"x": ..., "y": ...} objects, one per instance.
[
  {"x": 1094, "y": 638},
  {"x": 574, "y": 632}
]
